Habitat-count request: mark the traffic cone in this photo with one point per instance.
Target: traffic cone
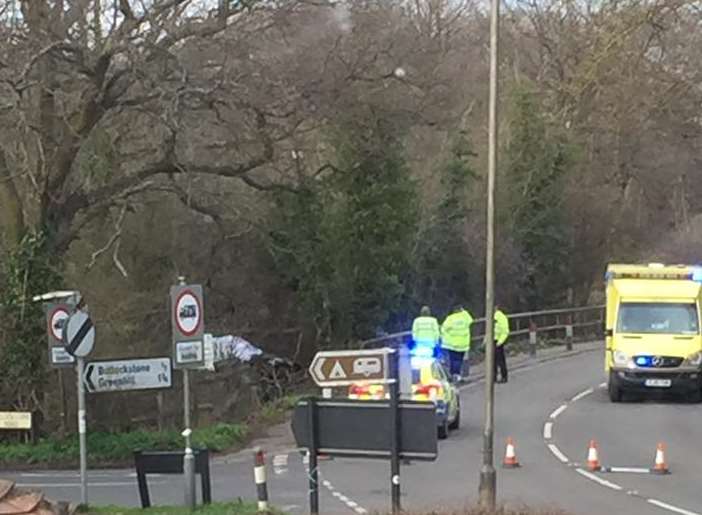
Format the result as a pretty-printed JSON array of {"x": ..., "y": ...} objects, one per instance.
[
  {"x": 660, "y": 466},
  {"x": 593, "y": 462},
  {"x": 510, "y": 461}
]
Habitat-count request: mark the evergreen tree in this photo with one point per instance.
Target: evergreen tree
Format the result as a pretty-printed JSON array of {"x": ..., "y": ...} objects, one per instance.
[{"x": 537, "y": 160}]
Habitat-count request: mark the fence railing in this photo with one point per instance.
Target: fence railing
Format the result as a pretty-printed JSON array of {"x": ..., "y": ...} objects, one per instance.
[{"x": 545, "y": 328}]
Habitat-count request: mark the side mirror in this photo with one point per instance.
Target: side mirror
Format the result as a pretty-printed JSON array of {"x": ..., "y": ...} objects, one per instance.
[{"x": 608, "y": 333}]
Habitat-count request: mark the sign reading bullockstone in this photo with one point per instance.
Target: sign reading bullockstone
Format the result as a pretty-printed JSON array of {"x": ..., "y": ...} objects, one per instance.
[
  {"x": 56, "y": 316},
  {"x": 132, "y": 374},
  {"x": 79, "y": 334},
  {"x": 345, "y": 367},
  {"x": 188, "y": 323}
]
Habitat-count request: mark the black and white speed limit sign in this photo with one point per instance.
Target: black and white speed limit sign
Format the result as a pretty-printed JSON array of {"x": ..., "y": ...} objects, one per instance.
[{"x": 79, "y": 334}]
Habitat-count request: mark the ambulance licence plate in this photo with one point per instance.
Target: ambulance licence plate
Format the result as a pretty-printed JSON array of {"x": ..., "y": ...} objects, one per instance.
[{"x": 664, "y": 383}]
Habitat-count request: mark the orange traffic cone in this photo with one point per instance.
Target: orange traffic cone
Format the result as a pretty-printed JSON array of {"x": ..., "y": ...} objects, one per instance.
[
  {"x": 593, "y": 462},
  {"x": 510, "y": 461},
  {"x": 660, "y": 466}
]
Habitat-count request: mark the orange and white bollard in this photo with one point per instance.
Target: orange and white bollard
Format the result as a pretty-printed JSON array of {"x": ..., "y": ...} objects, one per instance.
[
  {"x": 660, "y": 466},
  {"x": 593, "y": 460},
  {"x": 510, "y": 460}
]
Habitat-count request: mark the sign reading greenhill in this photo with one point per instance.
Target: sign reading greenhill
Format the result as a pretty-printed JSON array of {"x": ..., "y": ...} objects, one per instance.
[{"x": 134, "y": 374}]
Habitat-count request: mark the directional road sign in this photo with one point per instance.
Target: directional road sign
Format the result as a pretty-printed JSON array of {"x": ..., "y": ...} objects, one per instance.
[
  {"x": 130, "y": 374},
  {"x": 56, "y": 316},
  {"x": 188, "y": 324},
  {"x": 345, "y": 367},
  {"x": 79, "y": 334}
]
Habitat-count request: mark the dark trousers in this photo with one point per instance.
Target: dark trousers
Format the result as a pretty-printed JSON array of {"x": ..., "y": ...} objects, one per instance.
[
  {"x": 500, "y": 361},
  {"x": 455, "y": 360}
]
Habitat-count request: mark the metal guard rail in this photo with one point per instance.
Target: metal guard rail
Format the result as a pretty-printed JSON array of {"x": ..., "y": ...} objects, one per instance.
[{"x": 569, "y": 321}]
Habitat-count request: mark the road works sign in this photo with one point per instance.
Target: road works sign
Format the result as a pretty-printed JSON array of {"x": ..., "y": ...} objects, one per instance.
[
  {"x": 188, "y": 323},
  {"x": 132, "y": 374},
  {"x": 345, "y": 367}
]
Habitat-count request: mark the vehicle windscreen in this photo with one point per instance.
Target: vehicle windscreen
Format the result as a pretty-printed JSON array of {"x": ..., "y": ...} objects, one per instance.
[{"x": 658, "y": 318}]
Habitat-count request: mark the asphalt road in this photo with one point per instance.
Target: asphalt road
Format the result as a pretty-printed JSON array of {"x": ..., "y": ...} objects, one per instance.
[{"x": 551, "y": 410}]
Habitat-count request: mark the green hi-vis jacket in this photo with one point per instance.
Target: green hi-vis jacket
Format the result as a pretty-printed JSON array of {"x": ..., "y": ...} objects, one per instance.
[{"x": 455, "y": 331}]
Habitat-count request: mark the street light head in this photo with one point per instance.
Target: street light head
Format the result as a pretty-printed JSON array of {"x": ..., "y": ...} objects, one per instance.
[{"x": 53, "y": 295}]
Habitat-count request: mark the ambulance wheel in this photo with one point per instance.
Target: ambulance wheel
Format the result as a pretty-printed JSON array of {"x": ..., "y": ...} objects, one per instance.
[
  {"x": 444, "y": 430},
  {"x": 615, "y": 393}
]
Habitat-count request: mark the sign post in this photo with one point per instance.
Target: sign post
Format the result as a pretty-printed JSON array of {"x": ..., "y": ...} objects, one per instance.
[
  {"x": 79, "y": 337},
  {"x": 187, "y": 321},
  {"x": 336, "y": 427}
]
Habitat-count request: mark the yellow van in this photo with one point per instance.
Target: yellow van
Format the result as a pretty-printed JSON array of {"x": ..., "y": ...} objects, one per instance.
[{"x": 652, "y": 329}]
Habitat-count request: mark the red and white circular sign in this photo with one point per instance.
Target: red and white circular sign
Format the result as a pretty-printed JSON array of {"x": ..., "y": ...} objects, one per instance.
[
  {"x": 188, "y": 313},
  {"x": 57, "y": 320}
]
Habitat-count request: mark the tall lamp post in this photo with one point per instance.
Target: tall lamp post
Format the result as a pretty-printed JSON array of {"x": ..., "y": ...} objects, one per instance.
[{"x": 488, "y": 480}]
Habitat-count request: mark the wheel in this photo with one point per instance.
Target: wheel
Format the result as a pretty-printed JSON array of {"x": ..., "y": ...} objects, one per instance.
[
  {"x": 615, "y": 393},
  {"x": 457, "y": 421},
  {"x": 444, "y": 430}
]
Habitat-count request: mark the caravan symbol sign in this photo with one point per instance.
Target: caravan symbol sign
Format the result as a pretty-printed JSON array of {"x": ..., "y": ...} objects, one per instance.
[{"x": 345, "y": 367}]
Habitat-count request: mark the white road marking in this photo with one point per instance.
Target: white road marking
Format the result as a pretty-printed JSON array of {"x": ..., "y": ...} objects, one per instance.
[
  {"x": 559, "y": 410},
  {"x": 632, "y": 470},
  {"x": 557, "y": 453},
  {"x": 597, "y": 479},
  {"x": 360, "y": 511},
  {"x": 669, "y": 507},
  {"x": 548, "y": 430},
  {"x": 603, "y": 385},
  {"x": 582, "y": 394}
]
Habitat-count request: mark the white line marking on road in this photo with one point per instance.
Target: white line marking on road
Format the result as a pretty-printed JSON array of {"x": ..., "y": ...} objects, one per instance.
[
  {"x": 327, "y": 484},
  {"x": 597, "y": 479},
  {"x": 559, "y": 410},
  {"x": 360, "y": 511},
  {"x": 633, "y": 470},
  {"x": 548, "y": 430},
  {"x": 669, "y": 507},
  {"x": 557, "y": 453},
  {"x": 582, "y": 394},
  {"x": 603, "y": 385}
]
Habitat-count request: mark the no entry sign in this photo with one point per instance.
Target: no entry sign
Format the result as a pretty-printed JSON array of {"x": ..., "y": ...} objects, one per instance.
[{"x": 188, "y": 323}]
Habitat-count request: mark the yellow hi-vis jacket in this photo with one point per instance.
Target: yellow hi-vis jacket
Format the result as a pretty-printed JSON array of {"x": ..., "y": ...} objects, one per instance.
[
  {"x": 426, "y": 330},
  {"x": 501, "y": 327},
  {"x": 455, "y": 331}
]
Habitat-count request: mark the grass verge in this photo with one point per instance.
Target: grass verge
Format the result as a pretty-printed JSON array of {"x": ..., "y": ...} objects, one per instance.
[
  {"x": 233, "y": 508},
  {"x": 114, "y": 449}
]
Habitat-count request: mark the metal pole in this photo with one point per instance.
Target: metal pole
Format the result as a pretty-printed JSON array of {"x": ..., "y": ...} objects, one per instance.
[
  {"x": 81, "y": 434},
  {"x": 189, "y": 458},
  {"x": 395, "y": 434},
  {"x": 488, "y": 479},
  {"x": 312, "y": 455}
]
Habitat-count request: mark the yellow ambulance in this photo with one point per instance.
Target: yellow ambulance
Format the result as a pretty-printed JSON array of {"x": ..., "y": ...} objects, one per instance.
[{"x": 652, "y": 329}]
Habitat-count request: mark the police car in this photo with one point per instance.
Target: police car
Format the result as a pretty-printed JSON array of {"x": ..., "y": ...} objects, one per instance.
[{"x": 430, "y": 382}]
